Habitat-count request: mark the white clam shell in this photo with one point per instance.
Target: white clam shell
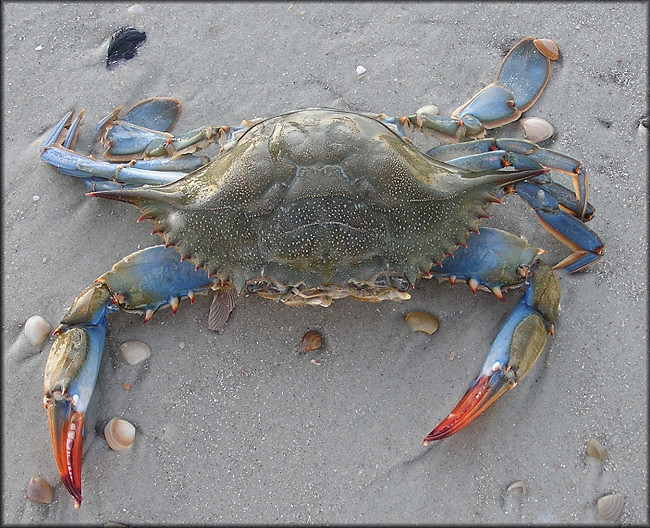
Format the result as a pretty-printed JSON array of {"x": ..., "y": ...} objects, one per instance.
[
  {"x": 595, "y": 449},
  {"x": 119, "y": 434},
  {"x": 609, "y": 507},
  {"x": 37, "y": 329},
  {"x": 518, "y": 484},
  {"x": 38, "y": 490},
  {"x": 136, "y": 9},
  {"x": 422, "y": 322},
  {"x": 427, "y": 109},
  {"x": 360, "y": 70},
  {"x": 536, "y": 128},
  {"x": 134, "y": 352}
]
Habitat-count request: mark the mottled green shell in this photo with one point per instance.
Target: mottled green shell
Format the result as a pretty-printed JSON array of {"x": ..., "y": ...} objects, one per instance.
[{"x": 318, "y": 196}]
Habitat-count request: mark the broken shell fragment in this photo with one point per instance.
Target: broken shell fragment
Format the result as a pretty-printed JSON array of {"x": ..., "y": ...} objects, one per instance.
[
  {"x": 536, "y": 129},
  {"x": 134, "y": 352},
  {"x": 312, "y": 340},
  {"x": 38, "y": 490},
  {"x": 518, "y": 484},
  {"x": 360, "y": 70},
  {"x": 119, "y": 434},
  {"x": 609, "y": 507},
  {"x": 422, "y": 322},
  {"x": 595, "y": 449},
  {"x": 36, "y": 329}
]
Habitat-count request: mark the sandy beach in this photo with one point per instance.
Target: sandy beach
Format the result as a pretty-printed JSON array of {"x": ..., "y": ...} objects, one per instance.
[{"x": 240, "y": 427}]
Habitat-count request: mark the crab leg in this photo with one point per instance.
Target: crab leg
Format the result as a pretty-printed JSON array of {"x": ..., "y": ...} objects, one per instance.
[
  {"x": 519, "y": 82},
  {"x": 586, "y": 245},
  {"x": 492, "y": 260},
  {"x": 522, "y": 154},
  {"x": 141, "y": 133},
  {"x": 70, "y": 376},
  {"x": 144, "y": 281},
  {"x": 57, "y": 151},
  {"x": 557, "y": 210},
  {"x": 521, "y": 339}
]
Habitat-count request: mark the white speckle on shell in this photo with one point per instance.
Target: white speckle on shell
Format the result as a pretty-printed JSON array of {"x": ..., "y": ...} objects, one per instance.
[
  {"x": 422, "y": 322},
  {"x": 135, "y": 352},
  {"x": 38, "y": 490},
  {"x": 536, "y": 128},
  {"x": 361, "y": 70},
  {"x": 119, "y": 434},
  {"x": 136, "y": 9},
  {"x": 609, "y": 507},
  {"x": 36, "y": 329}
]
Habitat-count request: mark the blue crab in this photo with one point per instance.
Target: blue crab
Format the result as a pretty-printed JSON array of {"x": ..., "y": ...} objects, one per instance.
[{"x": 319, "y": 204}]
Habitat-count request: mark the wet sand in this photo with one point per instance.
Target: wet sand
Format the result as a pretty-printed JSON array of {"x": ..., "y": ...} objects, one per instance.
[{"x": 239, "y": 427}]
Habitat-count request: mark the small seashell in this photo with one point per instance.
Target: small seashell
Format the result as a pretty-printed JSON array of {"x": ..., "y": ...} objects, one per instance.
[
  {"x": 427, "y": 109},
  {"x": 124, "y": 45},
  {"x": 536, "y": 128},
  {"x": 609, "y": 507},
  {"x": 36, "y": 329},
  {"x": 126, "y": 386},
  {"x": 39, "y": 491},
  {"x": 422, "y": 322},
  {"x": 361, "y": 70},
  {"x": 518, "y": 484},
  {"x": 595, "y": 449},
  {"x": 312, "y": 340},
  {"x": 135, "y": 352},
  {"x": 119, "y": 434},
  {"x": 136, "y": 9},
  {"x": 548, "y": 48}
]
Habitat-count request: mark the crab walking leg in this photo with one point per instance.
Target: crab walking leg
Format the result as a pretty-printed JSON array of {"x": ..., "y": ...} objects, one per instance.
[
  {"x": 520, "y": 80},
  {"x": 57, "y": 150},
  {"x": 560, "y": 213},
  {"x": 586, "y": 245},
  {"x": 144, "y": 281},
  {"x": 492, "y": 260},
  {"x": 141, "y": 133},
  {"x": 513, "y": 353},
  {"x": 484, "y": 154}
]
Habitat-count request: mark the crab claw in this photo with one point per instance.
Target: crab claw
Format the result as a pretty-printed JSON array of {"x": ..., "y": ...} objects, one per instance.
[
  {"x": 485, "y": 390},
  {"x": 514, "y": 351},
  {"x": 66, "y": 427},
  {"x": 70, "y": 376}
]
